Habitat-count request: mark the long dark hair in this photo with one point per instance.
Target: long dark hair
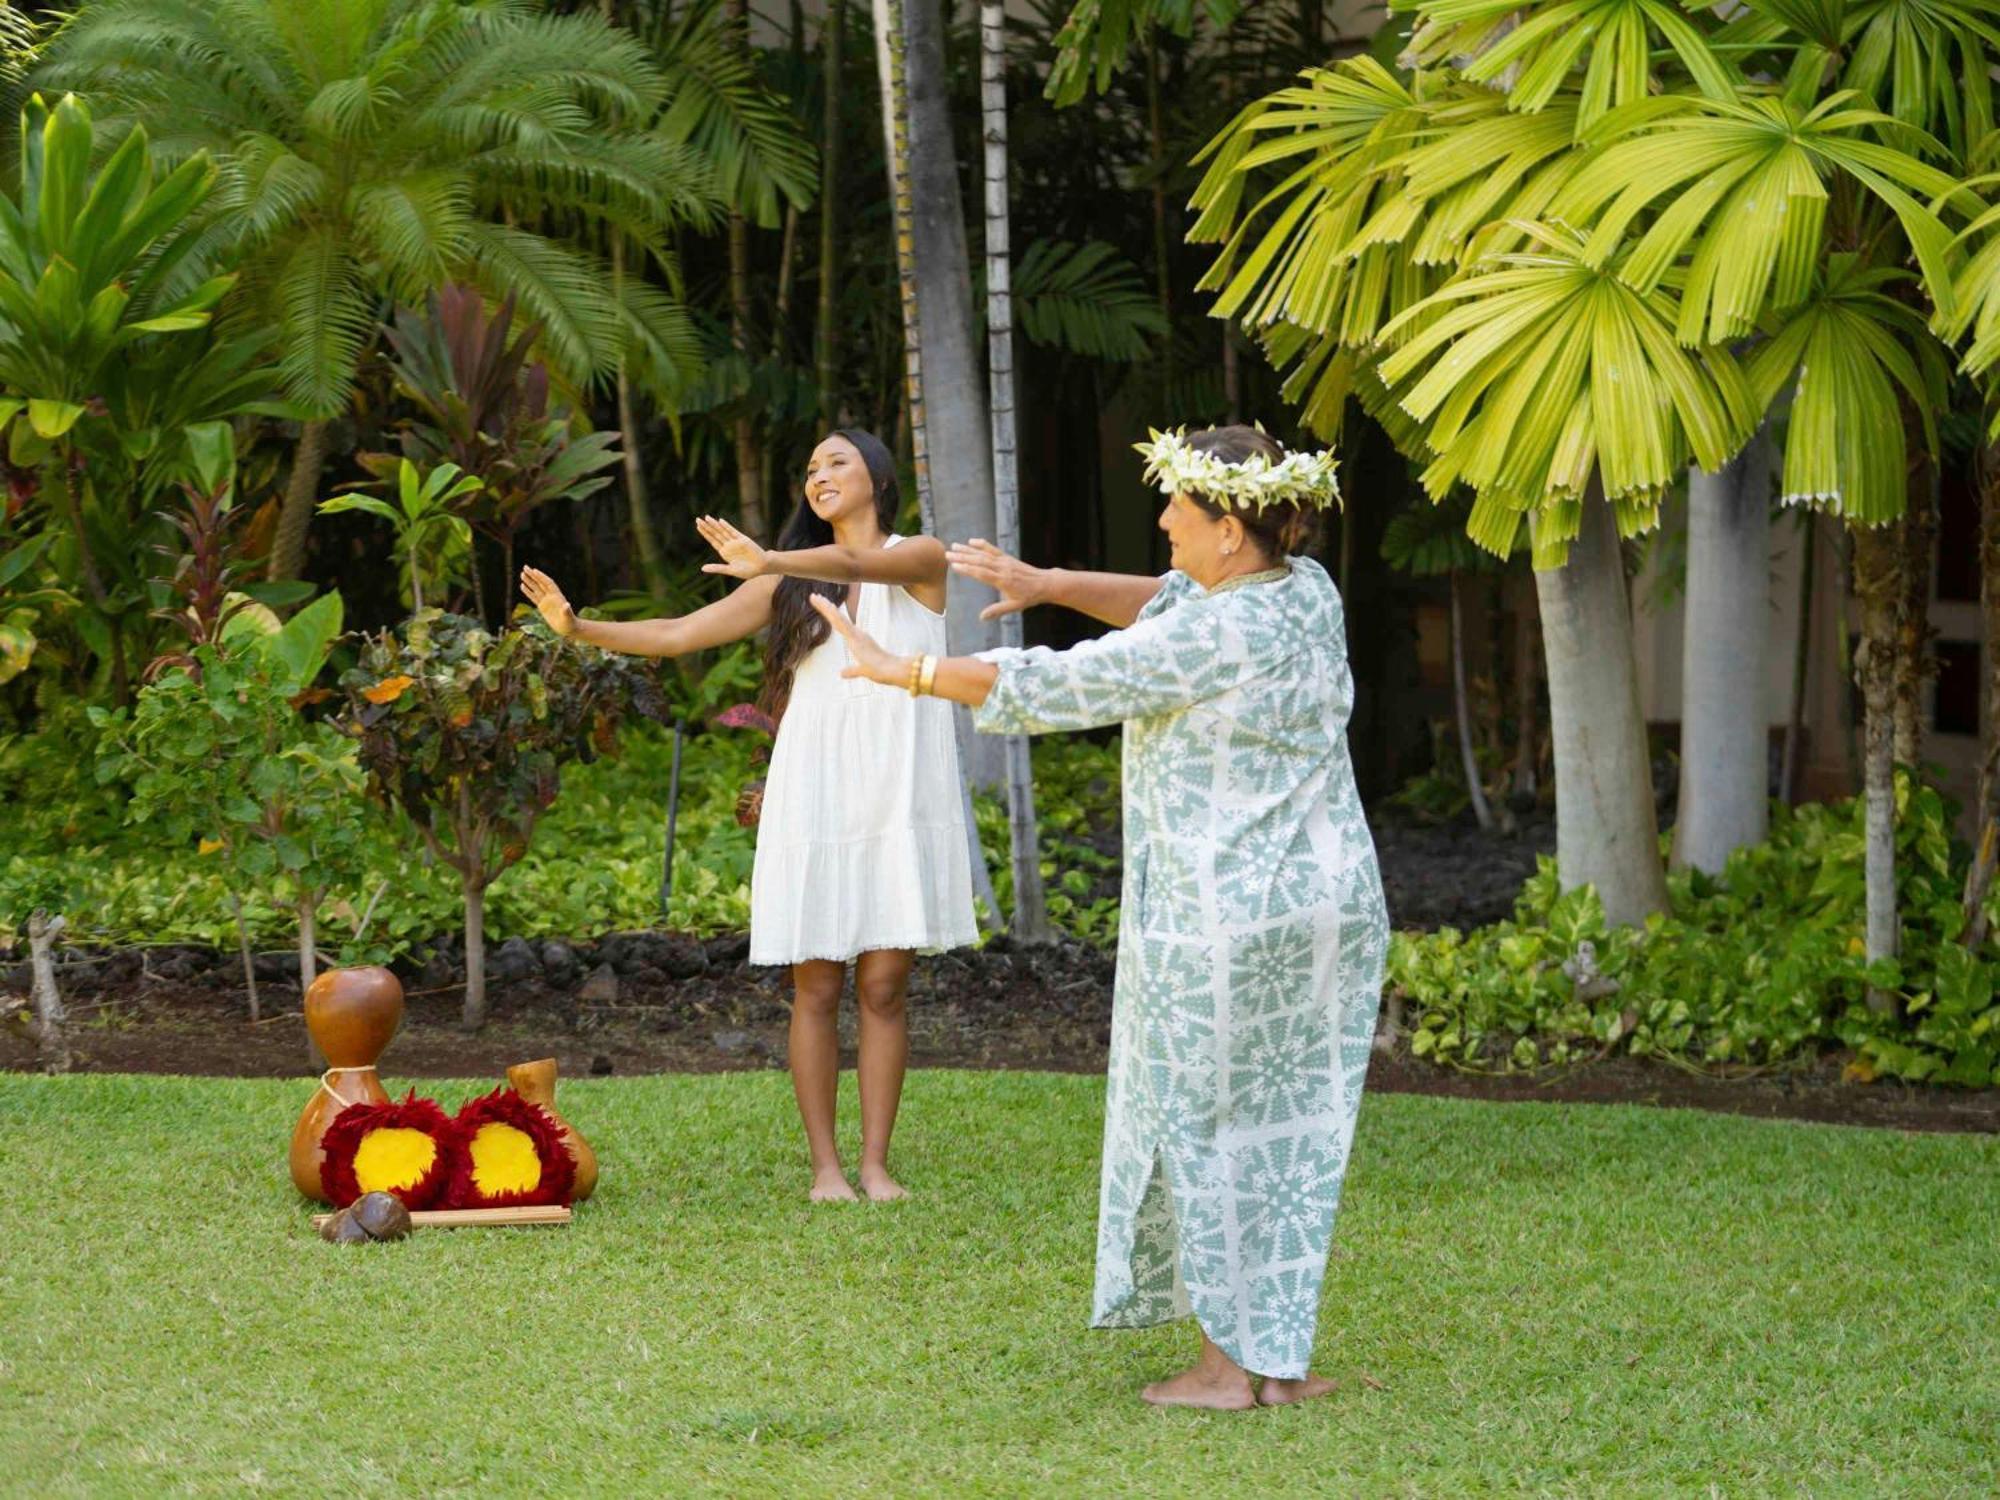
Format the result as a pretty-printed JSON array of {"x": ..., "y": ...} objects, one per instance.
[{"x": 796, "y": 627}]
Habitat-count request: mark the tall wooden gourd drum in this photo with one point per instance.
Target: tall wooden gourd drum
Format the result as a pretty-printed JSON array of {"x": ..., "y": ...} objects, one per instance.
[
  {"x": 351, "y": 1014},
  {"x": 536, "y": 1083}
]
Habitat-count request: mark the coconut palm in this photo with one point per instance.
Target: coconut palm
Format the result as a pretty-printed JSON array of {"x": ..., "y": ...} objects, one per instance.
[
  {"x": 373, "y": 150},
  {"x": 1574, "y": 251}
]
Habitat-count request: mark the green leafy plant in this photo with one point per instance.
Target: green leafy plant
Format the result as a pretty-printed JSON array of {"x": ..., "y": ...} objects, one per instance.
[
  {"x": 1766, "y": 964},
  {"x": 465, "y": 732},
  {"x": 433, "y": 540},
  {"x": 221, "y": 763}
]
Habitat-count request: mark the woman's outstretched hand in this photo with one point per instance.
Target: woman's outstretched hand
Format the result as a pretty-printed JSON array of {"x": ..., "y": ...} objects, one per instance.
[
  {"x": 541, "y": 591},
  {"x": 1017, "y": 584},
  {"x": 741, "y": 557},
  {"x": 870, "y": 660}
]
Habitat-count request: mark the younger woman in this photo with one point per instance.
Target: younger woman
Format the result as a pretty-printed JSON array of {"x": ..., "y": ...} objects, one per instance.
[{"x": 861, "y": 847}]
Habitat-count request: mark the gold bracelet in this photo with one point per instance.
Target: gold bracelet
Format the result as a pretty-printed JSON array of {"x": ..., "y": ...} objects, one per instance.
[
  {"x": 916, "y": 670},
  {"x": 928, "y": 680}
]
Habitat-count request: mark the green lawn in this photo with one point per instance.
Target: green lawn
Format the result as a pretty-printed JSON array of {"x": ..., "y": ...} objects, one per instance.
[{"x": 1554, "y": 1299}]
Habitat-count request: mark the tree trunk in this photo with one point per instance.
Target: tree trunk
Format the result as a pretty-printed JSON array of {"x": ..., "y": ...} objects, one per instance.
[
  {"x": 1725, "y": 778},
  {"x": 749, "y": 455},
  {"x": 954, "y": 455},
  {"x": 1462, "y": 710},
  {"x": 644, "y": 539},
  {"x": 249, "y": 961},
  {"x": 825, "y": 348},
  {"x": 1913, "y": 632},
  {"x": 308, "y": 939},
  {"x": 51, "y": 1040},
  {"x": 1607, "y": 834},
  {"x": 1031, "y": 918},
  {"x": 1795, "y": 716},
  {"x": 1527, "y": 694},
  {"x": 288, "y": 544},
  {"x": 1876, "y": 567},
  {"x": 1986, "y": 809},
  {"x": 474, "y": 1014}
]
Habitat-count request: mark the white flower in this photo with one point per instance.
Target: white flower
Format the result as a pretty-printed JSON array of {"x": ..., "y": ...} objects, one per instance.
[{"x": 1177, "y": 468}]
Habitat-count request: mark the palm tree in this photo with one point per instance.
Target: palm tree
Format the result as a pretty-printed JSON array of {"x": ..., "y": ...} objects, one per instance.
[
  {"x": 374, "y": 150},
  {"x": 1031, "y": 918},
  {"x": 1560, "y": 295}
]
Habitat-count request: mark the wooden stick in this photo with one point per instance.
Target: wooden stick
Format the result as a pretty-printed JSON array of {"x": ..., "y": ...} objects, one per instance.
[{"x": 466, "y": 1218}]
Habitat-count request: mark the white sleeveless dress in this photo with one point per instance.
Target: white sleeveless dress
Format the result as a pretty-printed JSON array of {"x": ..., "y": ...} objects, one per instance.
[{"x": 862, "y": 844}]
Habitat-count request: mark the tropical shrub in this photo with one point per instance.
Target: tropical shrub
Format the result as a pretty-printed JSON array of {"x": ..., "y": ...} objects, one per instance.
[
  {"x": 1764, "y": 965},
  {"x": 465, "y": 733}
]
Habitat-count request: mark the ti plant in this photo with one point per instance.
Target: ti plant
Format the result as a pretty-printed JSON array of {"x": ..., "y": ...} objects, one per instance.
[
  {"x": 466, "y": 732},
  {"x": 484, "y": 406},
  {"x": 431, "y": 538},
  {"x": 206, "y": 573}
]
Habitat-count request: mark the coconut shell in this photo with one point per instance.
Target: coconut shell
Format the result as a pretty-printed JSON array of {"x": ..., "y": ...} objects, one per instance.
[
  {"x": 382, "y": 1215},
  {"x": 342, "y": 1230}
]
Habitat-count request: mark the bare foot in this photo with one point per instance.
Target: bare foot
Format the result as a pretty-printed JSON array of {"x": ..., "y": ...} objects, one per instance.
[
  {"x": 1286, "y": 1392},
  {"x": 1215, "y": 1390},
  {"x": 880, "y": 1186},
  {"x": 830, "y": 1185}
]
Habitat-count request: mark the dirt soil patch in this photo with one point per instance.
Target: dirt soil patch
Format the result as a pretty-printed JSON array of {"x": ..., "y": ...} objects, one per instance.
[{"x": 658, "y": 1002}]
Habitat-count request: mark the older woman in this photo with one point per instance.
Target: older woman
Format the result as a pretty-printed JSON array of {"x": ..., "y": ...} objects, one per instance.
[{"x": 1253, "y": 933}]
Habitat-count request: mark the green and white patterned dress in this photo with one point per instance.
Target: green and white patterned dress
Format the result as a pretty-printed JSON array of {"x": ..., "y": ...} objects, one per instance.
[{"x": 1250, "y": 953}]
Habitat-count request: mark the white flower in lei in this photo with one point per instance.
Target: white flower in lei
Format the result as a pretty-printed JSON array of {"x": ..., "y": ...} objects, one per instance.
[{"x": 1178, "y": 468}]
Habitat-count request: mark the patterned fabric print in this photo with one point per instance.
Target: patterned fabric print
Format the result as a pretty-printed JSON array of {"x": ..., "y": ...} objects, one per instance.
[{"x": 1250, "y": 958}]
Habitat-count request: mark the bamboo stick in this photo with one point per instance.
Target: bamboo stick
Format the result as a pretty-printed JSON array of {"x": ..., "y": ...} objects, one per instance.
[{"x": 466, "y": 1218}]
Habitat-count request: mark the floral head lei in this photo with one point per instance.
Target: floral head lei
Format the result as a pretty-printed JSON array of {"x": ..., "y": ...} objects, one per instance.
[{"x": 1177, "y": 467}]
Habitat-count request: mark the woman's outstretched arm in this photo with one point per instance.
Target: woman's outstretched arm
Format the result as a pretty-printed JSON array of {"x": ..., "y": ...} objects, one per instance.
[
  {"x": 740, "y": 614},
  {"x": 918, "y": 564},
  {"x": 962, "y": 679},
  {"x": 1115, "y": 598}
]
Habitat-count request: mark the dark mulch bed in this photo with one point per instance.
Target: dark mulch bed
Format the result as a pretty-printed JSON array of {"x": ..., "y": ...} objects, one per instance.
[
  {"x": 652, "y": 1002},
  {"x": 661, "y": 1002}
]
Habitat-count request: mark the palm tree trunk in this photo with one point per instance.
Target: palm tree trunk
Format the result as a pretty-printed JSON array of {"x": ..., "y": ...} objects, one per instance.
[
  {"x": 954, "y": 456},
  {"x": 1607, "y": 834},
  {"x": 892, "y": 54},
  {"x": 1913, "y": 635},
  {"x": 645, "y": 540},
  {"x": 1986, "y": 809},
  {"x": 1795, "y": 717},
  {"x": 1527, "y": 694},
  {"x": 781, "y": 318},
  {"x": 1877, "y": 563},
  {"x": 1031, "y": 918},
  {"x": 826, "y": 353},
  {"x": 749, "y": 458},
  {"x": 1462, "y": 710},
  {"x": 288, "y": 545},
  {"x": 1725, "y": 779}
]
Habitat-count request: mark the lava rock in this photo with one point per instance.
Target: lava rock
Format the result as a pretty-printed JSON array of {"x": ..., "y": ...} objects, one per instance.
[
  {"x": 733, "y": 1043},
  {"x": 559, "y": 963},
  {"x": 514, "y": 961},
  {"x": 601, "y": 988},
  {"x": 600, "y": 1066}
]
